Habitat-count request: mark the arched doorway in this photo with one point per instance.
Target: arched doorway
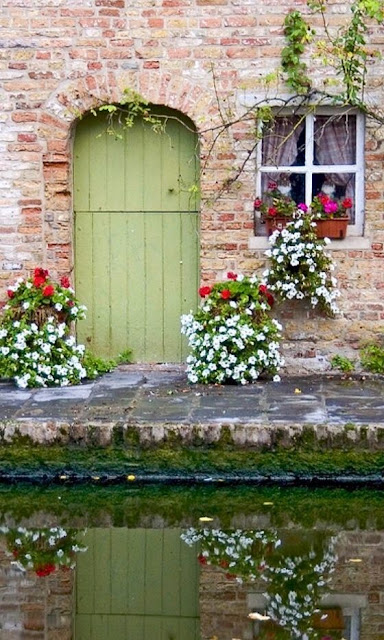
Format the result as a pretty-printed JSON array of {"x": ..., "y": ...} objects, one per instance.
[{"x": 136, "y": 235}]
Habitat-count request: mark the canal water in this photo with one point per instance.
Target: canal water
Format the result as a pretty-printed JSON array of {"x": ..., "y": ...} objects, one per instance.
[{"x": 217, "y": 563}]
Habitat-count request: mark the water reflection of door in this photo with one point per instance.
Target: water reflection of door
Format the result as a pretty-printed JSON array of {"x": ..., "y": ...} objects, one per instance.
[{"x": 138, "y": 584}]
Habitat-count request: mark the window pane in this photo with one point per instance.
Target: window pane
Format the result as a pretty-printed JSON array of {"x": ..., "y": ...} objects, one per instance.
[
  {"x": 284, "y": 142},
  {"x": 338, "y": 186},
  {"x": 289, "y": 184},
  {"x": 335, "y": 139}
]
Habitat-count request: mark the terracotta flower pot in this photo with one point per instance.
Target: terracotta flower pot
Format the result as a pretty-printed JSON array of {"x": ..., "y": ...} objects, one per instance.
[{"x": 334, "y": 228}]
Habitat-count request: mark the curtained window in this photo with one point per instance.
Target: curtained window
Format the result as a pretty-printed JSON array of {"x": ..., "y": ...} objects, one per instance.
[{"x": 312, "y": 153}]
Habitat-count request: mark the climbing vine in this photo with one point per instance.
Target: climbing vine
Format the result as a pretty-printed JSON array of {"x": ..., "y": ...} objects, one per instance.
[{"x": 297, "y": 34}]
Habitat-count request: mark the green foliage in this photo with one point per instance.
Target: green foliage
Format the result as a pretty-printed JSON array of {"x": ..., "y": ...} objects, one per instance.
[
  {"x": 125, "y": 357},
  {"x": 96, "y": 366},
  {"x": 372, "y": 358},
  {"x": 132, "y": 107},
  {"x": 348, "y": 52},
  {"x": 342, "y": 363},
  {"x": 297, "y": 34}
]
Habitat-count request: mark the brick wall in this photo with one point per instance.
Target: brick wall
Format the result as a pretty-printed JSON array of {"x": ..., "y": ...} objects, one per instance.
[
  {"x": 59, "y": 58},
  {"x": 33, "y": 608}
]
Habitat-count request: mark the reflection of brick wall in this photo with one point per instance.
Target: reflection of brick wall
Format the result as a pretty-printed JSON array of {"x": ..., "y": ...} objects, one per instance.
[
  {"x": 366, "y": 578},
  {"x": 223, "y": 602},
  {"x": 33, "y": 608},
  {"x": 223, "y": 606}
]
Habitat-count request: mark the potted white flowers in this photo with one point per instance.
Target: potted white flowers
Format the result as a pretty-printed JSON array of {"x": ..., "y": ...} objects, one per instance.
[
  {"x": 232, "y": 335},
  {"x": 300, "y": 268}
]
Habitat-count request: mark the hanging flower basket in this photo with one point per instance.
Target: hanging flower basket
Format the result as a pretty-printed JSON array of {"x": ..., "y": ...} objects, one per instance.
[{"x": 334, "y": 228}]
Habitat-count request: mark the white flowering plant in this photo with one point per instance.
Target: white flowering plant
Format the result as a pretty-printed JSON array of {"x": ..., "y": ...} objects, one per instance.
[
  {"x": 242, "y": 554},
  {"x": 232, "y": 335},
  {"x": 43, "y": 550},
  {"x": 300, "y": 268},
  {"x": 36, "y": 345}
]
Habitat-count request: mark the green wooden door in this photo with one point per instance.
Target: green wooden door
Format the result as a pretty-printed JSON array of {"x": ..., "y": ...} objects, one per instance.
[
  {"x": 137, "y": 584},
  {"x": 136, "y": 237}
]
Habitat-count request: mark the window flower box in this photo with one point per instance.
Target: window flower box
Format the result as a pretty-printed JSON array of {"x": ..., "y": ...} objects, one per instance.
[{"x": 333, "y": 228}]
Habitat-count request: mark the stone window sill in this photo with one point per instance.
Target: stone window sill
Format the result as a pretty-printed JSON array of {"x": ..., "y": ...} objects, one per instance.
[{"x": 350, "y": 243}]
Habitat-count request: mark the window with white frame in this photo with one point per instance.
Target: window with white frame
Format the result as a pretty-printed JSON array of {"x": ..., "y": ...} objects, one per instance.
[{"x": 305, "y": 155}]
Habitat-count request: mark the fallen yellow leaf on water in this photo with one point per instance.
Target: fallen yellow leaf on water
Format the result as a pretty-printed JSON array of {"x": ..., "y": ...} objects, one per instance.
[
  {"x": 297, "y": 390},
  {"x": 355, "y": 560},
  {"x": 63, "y": 477},
  {"x": 267, "y": 503},
  {"x": 95, "y": 477},
  {"x": 131, "y": 477},
  {"x": 205, "y": 519}
]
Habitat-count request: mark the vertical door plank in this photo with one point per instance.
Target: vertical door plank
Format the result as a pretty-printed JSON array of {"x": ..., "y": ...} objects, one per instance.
[
  {"x": 101, "y": 284},
  {"x": 172, "y": 261},
  {"x": 153, "y": 573},
  {"x": 189, "y": 592},
  {"x": 115, "y": 171},
  {"x": 189, "y": 171},
  {"x": 119, "y": 291},
  {"x": 136, "y": 294},
  {"x": 84, "y": 576},
  {"x": 137, "y": 570},
  {"x": 98, "y": 140},
  {"x": 189, "y": 267},
  {"x": 83, "y": 275},
  {"x": 134, "y": 628},
  {"x": 133, "y": 177},
  {"x": 154, "y": 288},
  {"x": 119, "y": 570},
  {"x": 152, "y": 170},
  {"x": 102, "y": 570},
  {"x": 83, "y": 627},
  {"x": 171, "y": 576},
  {"x": 169, "y": 163}
]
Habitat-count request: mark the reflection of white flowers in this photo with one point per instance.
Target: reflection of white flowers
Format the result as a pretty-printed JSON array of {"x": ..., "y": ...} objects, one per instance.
[
  {"x": 295, "y": 586},
  {"x": 241, "y": 553}
]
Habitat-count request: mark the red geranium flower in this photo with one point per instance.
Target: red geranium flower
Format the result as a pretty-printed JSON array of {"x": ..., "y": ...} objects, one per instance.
[
  {"x": 64, "y": 281},
  {"x": 205, "y": 291},
  {"x": 202, "y": 559},
  {"x": 347, "y": 203},
  {"x": 324, "y": 199},
  {"x": 45, "y": 569},
  {"x": 39, "y": 276},
  {"x": 272, "y": 211},
  {"x": 272, "y": 185},
  {"x": 48, "y": 291},
  {"x": 225, "y": 294},
  {"x": 257, "y": 203},
  {"x": 231, "y": 275},
  {"x": 10, "y": 293},
  {"x": 263, "y": 289}
]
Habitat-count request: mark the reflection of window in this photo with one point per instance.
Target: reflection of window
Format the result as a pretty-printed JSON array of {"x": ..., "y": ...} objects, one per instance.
[{"x": 309, "y": 154}]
